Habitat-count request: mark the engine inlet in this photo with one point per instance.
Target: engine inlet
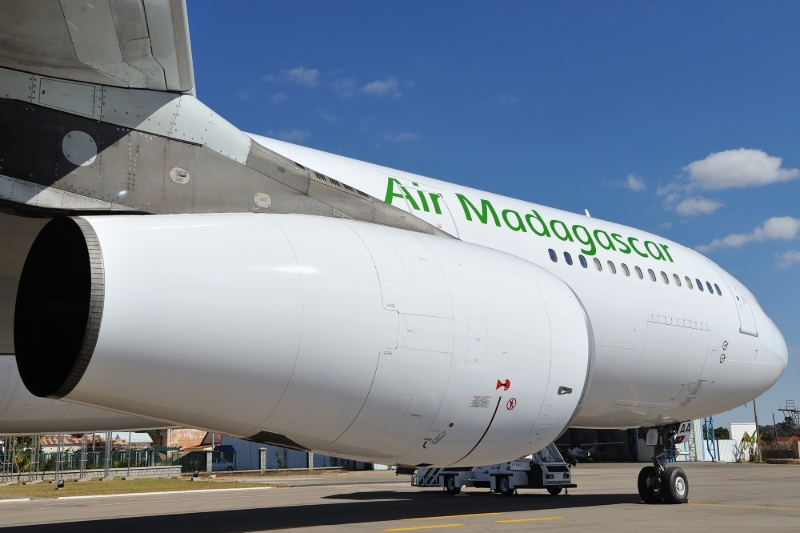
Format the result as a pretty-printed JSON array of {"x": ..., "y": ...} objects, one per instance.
[{"x": 59, "y": 307}]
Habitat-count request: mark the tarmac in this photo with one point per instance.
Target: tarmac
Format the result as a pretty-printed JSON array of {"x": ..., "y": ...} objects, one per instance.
[{"x": 722, "y": 497}]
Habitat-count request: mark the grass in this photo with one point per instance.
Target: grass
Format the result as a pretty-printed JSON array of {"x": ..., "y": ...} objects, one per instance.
[
  {"x": 278, "y": 473},
  {"x": 115, "y": 486}
]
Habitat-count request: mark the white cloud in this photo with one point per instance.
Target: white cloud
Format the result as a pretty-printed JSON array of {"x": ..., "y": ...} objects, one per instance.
[
  {"x": 697, "y": 205},
  {"x": 400, "y": 137},
  {"x": 381, "y": 87},
  {"x": 635, "y": 183},
  {"x": 329, "y": 118},
  {"x": 738, "y": 168},
  {"x": 505, "y": 99},
  {"x": 788, "y": 258},
  {"x": 244, "y": 94},
  {"x": 278, "y": 98},
  {"x": 292, "y": 136},
  {"x": 346, "y": 87},
  {"x": 775, "y": 228},
  {"x": 388, "y": 87},
  {"x": 299, "y": 75}
]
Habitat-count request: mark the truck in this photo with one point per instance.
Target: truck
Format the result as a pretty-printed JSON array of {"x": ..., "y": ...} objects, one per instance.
[{"x": 545, "y": 469}]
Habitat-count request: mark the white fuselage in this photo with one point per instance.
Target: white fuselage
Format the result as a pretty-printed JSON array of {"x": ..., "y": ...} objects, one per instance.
[{"x": 663, "y": 351}]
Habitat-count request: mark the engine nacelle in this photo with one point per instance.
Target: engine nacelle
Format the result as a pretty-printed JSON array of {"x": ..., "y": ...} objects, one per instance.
[{"x": 336, "y": 336}]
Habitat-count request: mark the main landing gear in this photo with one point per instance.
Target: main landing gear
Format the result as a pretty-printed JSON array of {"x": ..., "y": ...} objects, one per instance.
[{"x": 659, "y": 483}]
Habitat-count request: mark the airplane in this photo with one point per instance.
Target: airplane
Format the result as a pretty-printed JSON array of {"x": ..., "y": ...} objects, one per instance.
[
  {"x": 582, "y": 451},
  {"x": 168, "y": 266}
]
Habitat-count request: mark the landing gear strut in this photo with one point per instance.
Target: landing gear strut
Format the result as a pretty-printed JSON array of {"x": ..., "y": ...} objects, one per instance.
[{"x": 659, "y": 483}]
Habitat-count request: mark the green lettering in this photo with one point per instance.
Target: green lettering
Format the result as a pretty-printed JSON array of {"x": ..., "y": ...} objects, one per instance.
[
  {"x": 660, "y": 256},
  {"x": 618, "y": 238},
  {"x": 545, "y": 232},
  {"x": 588, "y": 242},
  {"x": 483, "y": 215},
  {"x": 435, "y": 201},
  {"x": 409, "y": 198},
  {"x": 424, "y": 201},
  {"x": 567, "y": 236},
  {"x": 520, "y": 225},
  {"x": 597, "y": 234},
  {"x": 631, "y": 240},
  {"x": 390, "y": 194},
  {"x": 665, "y": 248}
]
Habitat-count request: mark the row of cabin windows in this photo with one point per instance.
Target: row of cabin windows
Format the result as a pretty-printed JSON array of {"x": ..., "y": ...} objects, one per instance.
[{"x": 598, "y": 265}]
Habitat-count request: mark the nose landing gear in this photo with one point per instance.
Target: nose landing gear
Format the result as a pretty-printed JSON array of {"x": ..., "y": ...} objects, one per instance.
[{"x": 659, "y": 483}]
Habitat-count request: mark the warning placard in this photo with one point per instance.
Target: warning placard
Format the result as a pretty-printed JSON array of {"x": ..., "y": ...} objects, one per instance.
[{"x": 480, "y": 401}]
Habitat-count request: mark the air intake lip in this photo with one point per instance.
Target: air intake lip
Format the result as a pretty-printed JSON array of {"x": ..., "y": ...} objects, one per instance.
[{"x": 59, "y": 307}]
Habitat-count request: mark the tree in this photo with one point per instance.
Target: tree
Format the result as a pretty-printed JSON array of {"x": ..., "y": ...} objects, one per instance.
[
  {"x": 749, "y": 445},
  {"x": 719, "y": 433}
]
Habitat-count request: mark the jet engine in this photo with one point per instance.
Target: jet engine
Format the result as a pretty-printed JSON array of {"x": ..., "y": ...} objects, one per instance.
[{"x": 331, "y": 335}]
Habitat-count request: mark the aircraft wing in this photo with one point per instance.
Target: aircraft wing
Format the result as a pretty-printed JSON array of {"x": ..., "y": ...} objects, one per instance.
[{"x": 142, "y": 44}]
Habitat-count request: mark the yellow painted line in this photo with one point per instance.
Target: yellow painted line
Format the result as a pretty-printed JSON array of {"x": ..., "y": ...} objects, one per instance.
[
  {"x": 450, "y": 516},
  {"x": 529, "y": 519},
  {"x": 766, "y": 507},
  {"x": 437, "y": 526}
]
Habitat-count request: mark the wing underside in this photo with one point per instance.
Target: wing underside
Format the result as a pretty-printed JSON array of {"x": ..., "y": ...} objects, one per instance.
[{"x": 142, "y": 44}]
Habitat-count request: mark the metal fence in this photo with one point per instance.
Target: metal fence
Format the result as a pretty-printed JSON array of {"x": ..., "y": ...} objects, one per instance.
[{"x": 26, "y": 460}]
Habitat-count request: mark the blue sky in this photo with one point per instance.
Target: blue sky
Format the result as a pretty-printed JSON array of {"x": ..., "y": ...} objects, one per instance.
[{"x": 611, "y": 106}]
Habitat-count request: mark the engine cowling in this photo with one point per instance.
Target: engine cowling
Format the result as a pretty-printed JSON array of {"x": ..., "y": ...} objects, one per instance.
[{"x": 336, "y": 336}]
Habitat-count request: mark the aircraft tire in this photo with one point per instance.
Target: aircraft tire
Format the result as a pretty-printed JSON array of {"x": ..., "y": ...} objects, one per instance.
[
  {"x": 675, "y": 485},
  {"x": 649, "y": 485}
]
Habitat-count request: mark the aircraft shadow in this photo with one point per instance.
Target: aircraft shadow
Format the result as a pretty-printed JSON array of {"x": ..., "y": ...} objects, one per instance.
[{"x": 362, "y": 507}]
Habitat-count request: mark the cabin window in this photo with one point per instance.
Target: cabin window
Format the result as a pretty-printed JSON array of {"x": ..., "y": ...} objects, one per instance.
[
  {"x": 709, "y": 287},
  {"x": 625, "y": 269},
  {"x": 598, "y": 265},
  {"x": 611, "y": 267},
  {"x": 699, "y": 284},
  {"x": 677, "y": 279},
  {"x": 553, "y": 256},
  {"x": 639, "y": 272},
  {"x": 688, "y": 282},
  {"x": 718, "y": 291},
  {"x": 567, "y": 258},
  {"x": 582, "y": 259},
  {"x": 664, "y": 277},
  {"x": 652, "y": 274}
]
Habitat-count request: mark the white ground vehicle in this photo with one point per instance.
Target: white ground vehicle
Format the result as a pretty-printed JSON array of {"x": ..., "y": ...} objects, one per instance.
[
  {"x": 545, "y": 469},
  {"x": 220, "y": 463}
]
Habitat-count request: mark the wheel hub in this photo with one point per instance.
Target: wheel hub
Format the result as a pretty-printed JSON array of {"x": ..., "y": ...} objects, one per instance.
[{"x": 680, "y": 486}]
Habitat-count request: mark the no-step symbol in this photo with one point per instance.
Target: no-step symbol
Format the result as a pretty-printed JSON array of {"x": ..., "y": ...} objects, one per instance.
[
  {"x": 505, "y": 384},
  {"x": 512, "y": 403}
]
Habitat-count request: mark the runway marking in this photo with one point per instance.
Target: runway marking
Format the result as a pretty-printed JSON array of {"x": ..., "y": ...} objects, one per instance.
[
  {"x": 766, "y": 507},
  {"x": 450, "y": 516},
  {"x": 4, "y": 500},
  {"x": 156, "y": 493},
  {"x": 437, "y": 526},
  {"x": 510, "y": 521}
]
